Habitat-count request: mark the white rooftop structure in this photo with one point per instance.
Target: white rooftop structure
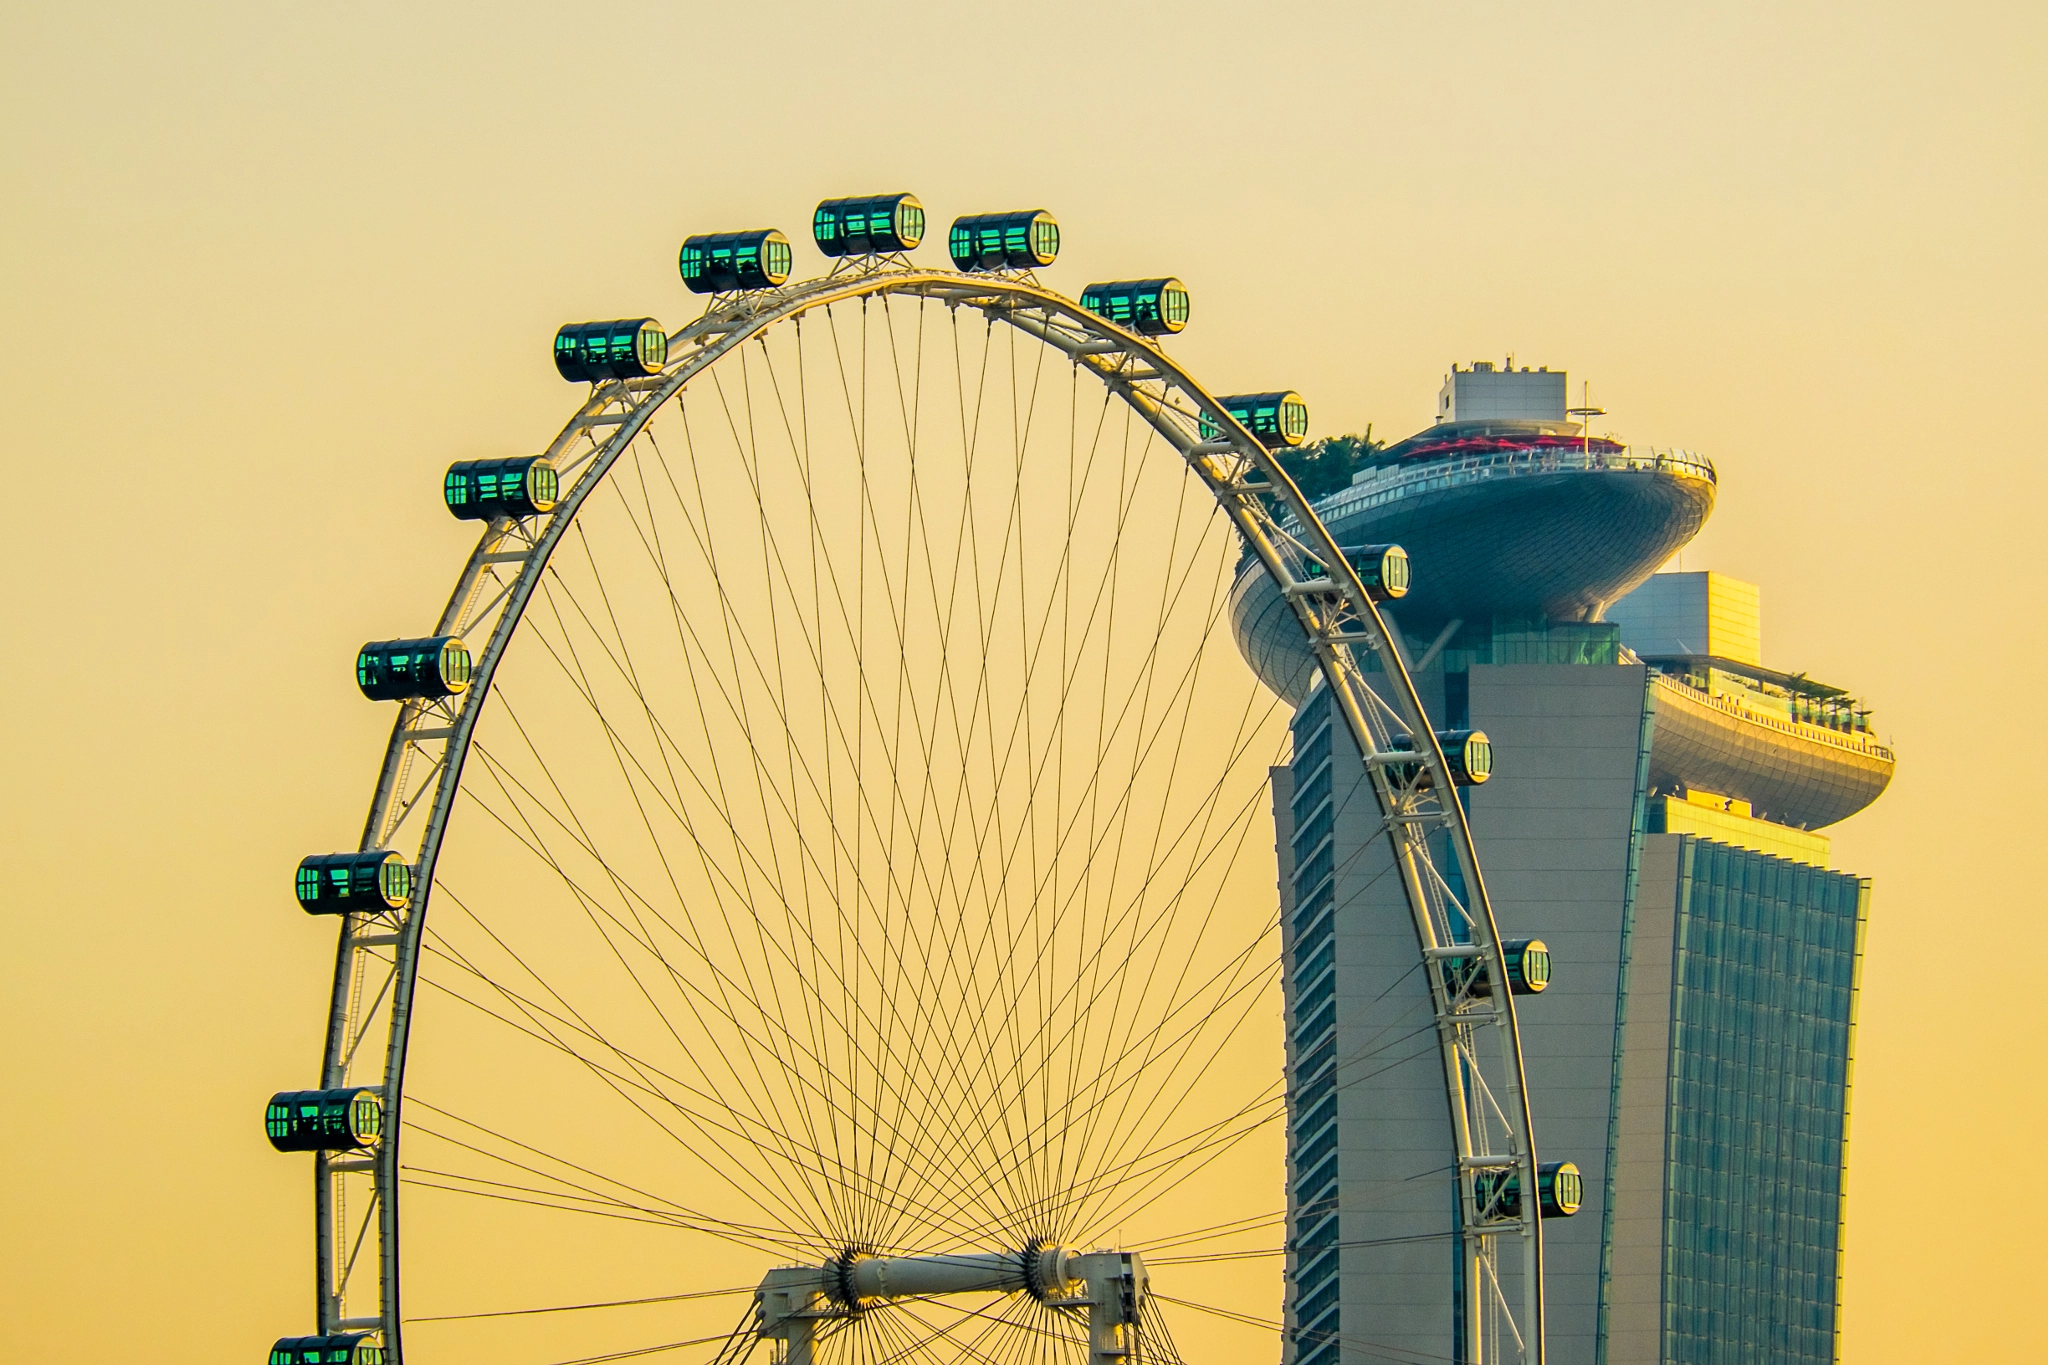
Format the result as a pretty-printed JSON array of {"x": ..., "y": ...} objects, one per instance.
[{"x": 1484, "y": 392}]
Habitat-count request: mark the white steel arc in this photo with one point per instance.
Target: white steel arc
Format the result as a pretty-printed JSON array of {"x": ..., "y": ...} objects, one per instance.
[{"x": 379, "y": 956}]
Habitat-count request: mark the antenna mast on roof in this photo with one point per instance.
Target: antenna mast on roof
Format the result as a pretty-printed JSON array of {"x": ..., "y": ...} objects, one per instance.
[{"x": 1586, "y": 412}]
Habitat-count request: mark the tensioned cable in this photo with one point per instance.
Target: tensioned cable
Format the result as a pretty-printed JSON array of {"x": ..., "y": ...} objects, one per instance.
[
  {"x": 580, "y": 1307},
  {"x": 1012, "y": 830}
]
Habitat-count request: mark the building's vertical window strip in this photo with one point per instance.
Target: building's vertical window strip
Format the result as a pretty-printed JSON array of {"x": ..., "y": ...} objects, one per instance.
[
  {"x": 1312, "y": 1025},
  {"x": 1674, "y": 1090},
  {"x": 1638, "y": 827},
  {"x": 1848, "y": 1096}
]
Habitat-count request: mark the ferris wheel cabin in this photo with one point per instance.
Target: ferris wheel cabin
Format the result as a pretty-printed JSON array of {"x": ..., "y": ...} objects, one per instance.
[
  {"x": 485, "y": 490},
  {"x": 1023, "y": 240},
  {"x": 1528, "y": 964},
  {"x": 1560, "y": 1189},
  {"x": 346, "y": 1348},
  {"x": 1384, "y": 569},
  {"x": 722, "y": 262},
  {"x": 344, "y": 883},
  {"x": 323, "y": 1120},
  {"x": 628, "y": 348},
  {"x": 1148, "y": 307},
  {"x": 1277, "y": 419},
  {"x": 413, "y": 670},
  {"x": 1468, "y": 753},
  {"x": 874, "y": 225}
]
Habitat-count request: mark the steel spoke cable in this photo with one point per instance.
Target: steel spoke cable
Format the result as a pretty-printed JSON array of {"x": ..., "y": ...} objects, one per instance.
[
  {"x": 644, "y": 1351},
  {"x": 584, "y": 839},
  {"x": 974, "y": 1007},
  {"x": 951, "y": 956},
  {"x": 780, "y": 1236},
  {"x": 867, "y": 520},
  {"x": 739, "y": 1124},
  {"x": 750, "y": 463},
  {"x": 775, "y": 1127},
  {"x": 1266, "y": 1253},
  {"x": 875, "y": 711},
  {"x": 1215, "y": 1231},
  {"x": 1079, "y": 1100},
  {"x": 720, "y": 879},
  {"x": 823, "y": 1192},
  {"x": 1172, "y": 909},
  {"x": 640, "y": 1067},
  {"x": 1137, "y": 901},
  {"x": 704, "y": 1125},
  {"x": 650, "y": 1220},
  {"x": 776, "y": 1238}
]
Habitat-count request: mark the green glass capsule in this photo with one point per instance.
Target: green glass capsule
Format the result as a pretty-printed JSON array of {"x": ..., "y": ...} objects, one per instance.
[
  {"x": 323, "y": 1120},
  {"x": 338, "y": 883},
  {"x": 484, "y": 490},
  {"x": 1277, "y": 419},
  {"x": 1147, "y": 307},
  {"x": 592, "y": 352},
  {"x": 402, "y": 670},
  {"x": 874, "y": 225},
  {"x": 1023, "y": 240},
  {"x": 721, "y": 262}
]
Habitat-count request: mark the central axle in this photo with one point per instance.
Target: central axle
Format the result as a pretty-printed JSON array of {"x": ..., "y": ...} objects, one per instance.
[{"x": 1109, "y": 1285}]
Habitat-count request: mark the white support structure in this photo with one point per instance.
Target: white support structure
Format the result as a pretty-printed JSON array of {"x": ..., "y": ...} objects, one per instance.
[{"x": 1109, "y": 1286}]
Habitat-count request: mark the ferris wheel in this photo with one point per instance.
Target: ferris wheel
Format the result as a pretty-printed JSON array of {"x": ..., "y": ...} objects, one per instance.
[{"x": 847, "y": 825}]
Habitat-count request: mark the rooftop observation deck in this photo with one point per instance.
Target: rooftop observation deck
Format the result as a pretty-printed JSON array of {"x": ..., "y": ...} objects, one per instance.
[
  {"x": 1524, "y": 526},
  {"x": 1800, "y": 753},
  {"x": 1379, "y": 487}
]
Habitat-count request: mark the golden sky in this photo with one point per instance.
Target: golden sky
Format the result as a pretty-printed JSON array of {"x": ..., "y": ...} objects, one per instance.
[{"x": 266, "y": 269}]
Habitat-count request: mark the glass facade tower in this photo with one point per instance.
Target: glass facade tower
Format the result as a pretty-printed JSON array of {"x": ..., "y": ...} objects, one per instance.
[
  {"x": 1692, "y": 1055},
  {"x": 1763, "y": 986}
]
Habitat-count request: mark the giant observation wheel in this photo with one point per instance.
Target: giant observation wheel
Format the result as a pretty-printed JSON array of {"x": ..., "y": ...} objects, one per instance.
[{"x": 846, "y": 824}]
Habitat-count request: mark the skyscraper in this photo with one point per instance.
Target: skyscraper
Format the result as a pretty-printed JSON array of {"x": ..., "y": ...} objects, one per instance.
[{"x": 1654, "y": 819}]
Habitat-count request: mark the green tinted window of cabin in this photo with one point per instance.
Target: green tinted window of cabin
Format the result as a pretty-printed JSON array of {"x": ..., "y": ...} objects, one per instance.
[
  {"x": 1173, "y": 306},
  {"x": 1294, "y": 420},
  {"x": 650, "y": 345},
  {"x": 1045, "y": 238},
  {"x": 366, "y": 1118}
]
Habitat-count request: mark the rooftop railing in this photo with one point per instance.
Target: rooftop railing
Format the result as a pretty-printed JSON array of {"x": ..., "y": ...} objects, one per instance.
[
  {"x": 1426, "y": 476},
  {"x": 1850, "y": 742}
]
